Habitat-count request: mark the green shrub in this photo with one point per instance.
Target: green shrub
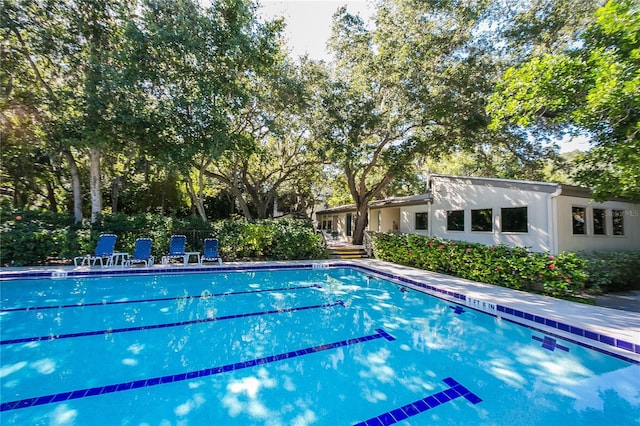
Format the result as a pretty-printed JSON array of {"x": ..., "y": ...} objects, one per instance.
[
  {"x": 268, "y": 239},
  {"x": 34, "y": 237},
  {"x": 611, "y": 271},
  {"x": 511, "y": 267}
]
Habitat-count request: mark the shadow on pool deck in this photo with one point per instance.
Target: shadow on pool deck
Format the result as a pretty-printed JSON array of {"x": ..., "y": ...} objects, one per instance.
[{"x": 624, "y": 301}]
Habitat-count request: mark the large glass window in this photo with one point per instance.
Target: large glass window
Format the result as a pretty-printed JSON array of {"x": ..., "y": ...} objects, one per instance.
[
  {"x": 618, "y": 222},
  {"x": 514, "y": 219},
  {"x": 455, "y": 220},
  {"x": 422, "y": 221},
  {"x": 578, "y": 215},
  {"x": 599, "y": 222},
  {"x": 482, "y": 220}
]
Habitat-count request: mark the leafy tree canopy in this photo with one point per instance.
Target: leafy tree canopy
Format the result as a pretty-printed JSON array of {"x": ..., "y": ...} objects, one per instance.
[{"x": 592, "y": 86}]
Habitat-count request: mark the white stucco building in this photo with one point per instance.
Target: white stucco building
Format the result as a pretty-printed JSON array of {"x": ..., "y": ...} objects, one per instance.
[{"x": 545, "y": 217}]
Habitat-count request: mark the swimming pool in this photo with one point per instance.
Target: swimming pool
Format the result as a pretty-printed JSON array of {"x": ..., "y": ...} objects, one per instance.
[{"x": 336, "y": 345}]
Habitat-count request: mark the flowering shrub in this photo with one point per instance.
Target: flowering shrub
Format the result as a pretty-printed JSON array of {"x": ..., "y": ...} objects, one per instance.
[{"x": 512, "y": 267}]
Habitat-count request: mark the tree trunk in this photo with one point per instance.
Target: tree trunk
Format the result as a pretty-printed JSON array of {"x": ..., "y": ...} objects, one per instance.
[
  {"x": 115, "y": 193},
  {"x": 51, "y": 196},
  {"x": 75, "y": 185},
  {"x": 196, "y": 198},
  {"x": 362, "y": 220},
  {"x": 95, "y": 189}
]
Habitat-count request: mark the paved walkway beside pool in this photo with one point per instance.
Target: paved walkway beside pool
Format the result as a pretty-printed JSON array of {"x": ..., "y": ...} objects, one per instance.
[{"x": 624, "y": 301}]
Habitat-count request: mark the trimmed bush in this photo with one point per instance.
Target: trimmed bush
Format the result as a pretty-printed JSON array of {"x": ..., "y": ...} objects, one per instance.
[
  {"x": 512, "y": 267},
  {"x": 268, "y": 239}
]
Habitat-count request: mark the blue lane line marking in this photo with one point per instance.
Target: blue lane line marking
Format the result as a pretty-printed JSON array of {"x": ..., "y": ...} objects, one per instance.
[
  {"x": 457, "y": 309},
  {"x": 550, "y": 343},
  {"x": 163, "y": 299},
  {"x": 455, "y": 390},
  {"x": 173, "y": 324},
  {"x": 102, "y": 390}
]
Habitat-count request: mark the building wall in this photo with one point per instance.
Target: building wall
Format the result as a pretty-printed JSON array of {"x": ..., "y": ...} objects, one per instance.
[
  {"x": 383, "y": 219},
  {"x": 408, "y": 219},
  {"x": 455, "y": 195},
  {"x": 338, "y": 224},
  {"x": 568, "y": 240}
]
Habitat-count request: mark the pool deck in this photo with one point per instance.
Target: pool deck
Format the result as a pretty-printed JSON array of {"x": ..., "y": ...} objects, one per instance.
[{"x": 619, "y": 324}]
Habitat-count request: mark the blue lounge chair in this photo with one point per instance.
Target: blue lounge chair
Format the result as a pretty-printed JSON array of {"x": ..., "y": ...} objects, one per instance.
[
  {"x": 104, "y": 251},
  {"x": 177, "y": 246},
  {"x": 141, "y": 252},
  {"x": 211, "y": 251}
]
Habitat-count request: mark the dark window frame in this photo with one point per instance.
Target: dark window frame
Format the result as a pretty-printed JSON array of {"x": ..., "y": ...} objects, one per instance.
[
  {"x": 457, "y": 225},
  {"x": 599, "y": 221},
  {"x": 423, "y": 223},
  {"x": 510, "y": 222},
  {"x": 617, "y": 220},
  {"x": 481, "y": 221},
  {"x": 578, "y": 227}
]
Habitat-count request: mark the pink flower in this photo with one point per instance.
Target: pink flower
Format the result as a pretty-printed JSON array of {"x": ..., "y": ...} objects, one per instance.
[
  {"x": 492, "y": 249},
  {"x": 468, "y": 250},
  {"x": 552, "y": 266},
  {"x": 430, "y": 243},
  {"x": 441, "y": 246},
  {"x": 18, "y": 217},
  {"x": 551, "y": 258}
]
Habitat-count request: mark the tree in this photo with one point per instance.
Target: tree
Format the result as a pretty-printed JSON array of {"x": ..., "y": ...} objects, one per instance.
[
  {"x": 592, "y": 86},
  {"x": 415, "y": 86},
  {"x": 67, "y": 52},
  {"x": 278, "y": 150},
  {"x": 199, "y": 65}
]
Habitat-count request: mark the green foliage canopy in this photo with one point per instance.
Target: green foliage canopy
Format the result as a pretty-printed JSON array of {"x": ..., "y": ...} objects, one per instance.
[{"x": 594, "y": 87}]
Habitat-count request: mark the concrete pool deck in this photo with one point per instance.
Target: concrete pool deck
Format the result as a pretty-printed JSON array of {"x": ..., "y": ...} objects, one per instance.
[{"x": 614, "y": 330}]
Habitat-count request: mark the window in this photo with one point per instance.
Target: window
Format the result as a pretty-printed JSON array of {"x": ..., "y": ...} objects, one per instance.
[
  {"x": 482, "y": 220},
  {"x": 618, "y": 222},
  {"x": 455, "y": 220},
  {"x": 578, "y": 215},
  {"x": 514, "y": 219},
  {"x": 599, "y": 222},
  {"x": 422, "y": 221}
]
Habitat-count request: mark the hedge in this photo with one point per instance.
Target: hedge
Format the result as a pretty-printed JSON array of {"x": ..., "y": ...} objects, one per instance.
[
  {"x": 36, "y": 238},
  {"x": 518, "y": 268}
]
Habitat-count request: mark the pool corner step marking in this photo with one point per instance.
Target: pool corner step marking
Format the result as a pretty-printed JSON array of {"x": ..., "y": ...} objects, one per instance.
[
  {"x": 102, "y": 390},
  {"x": 454, "y": 391},
  {"x": 550, "y": 343},
  {"x": 166, "y": 325}
]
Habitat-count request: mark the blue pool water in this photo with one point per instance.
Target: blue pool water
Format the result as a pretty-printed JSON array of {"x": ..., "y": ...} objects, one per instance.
[{"x": 298, "y": 347}]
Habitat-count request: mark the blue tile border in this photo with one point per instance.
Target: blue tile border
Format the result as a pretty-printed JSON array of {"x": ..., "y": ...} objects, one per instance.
[
  {"x": 102, "y": 390},
  {"x": 166, "y": 325},
  {"x": 454, "y": 391},
  {"x": 433, "y": 291}
]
